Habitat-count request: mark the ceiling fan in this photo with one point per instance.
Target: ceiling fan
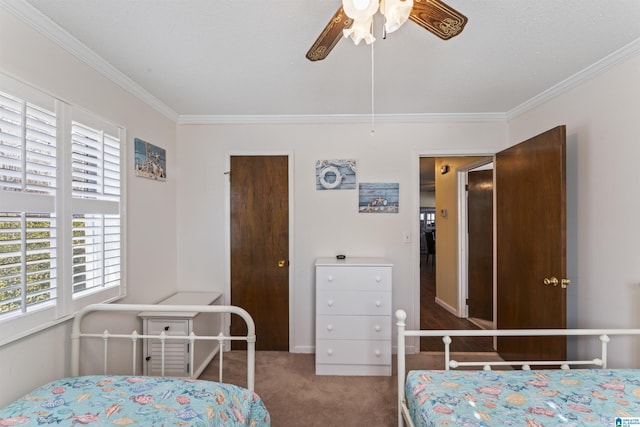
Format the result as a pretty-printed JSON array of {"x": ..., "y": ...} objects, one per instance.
[{"x": 433, "y": 15}]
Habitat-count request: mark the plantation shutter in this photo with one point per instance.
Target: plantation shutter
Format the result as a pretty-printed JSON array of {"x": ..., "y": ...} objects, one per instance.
[
  {"x": 96, "y": 226},
  {"x": 61, "y": 198},
  {"x": 27, "y": 206}
]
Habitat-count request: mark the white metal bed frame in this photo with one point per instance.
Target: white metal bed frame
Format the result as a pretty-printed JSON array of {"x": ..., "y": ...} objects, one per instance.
[
  {"x": 403, "y": 410},
  {"x": 250, "y": 337}
]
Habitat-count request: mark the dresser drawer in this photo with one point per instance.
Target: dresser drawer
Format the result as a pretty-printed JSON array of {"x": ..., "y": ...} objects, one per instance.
[
  {"x": 354, "y": 278},
  {"x": 353, "y": 303},
  {"x": 353, "y": 327},
  {"x": 351, "y": 352}
]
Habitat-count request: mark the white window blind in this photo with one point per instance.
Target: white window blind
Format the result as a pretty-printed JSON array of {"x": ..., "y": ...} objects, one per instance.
[{"x": 61, "y": 198}]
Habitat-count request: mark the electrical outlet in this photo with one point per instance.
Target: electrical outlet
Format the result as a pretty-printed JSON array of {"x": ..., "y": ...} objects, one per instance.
[{"x": 406, "y": 237}]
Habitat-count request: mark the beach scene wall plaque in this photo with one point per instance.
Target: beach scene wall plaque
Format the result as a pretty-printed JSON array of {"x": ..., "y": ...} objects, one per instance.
[
  {"x": 150, "y": 160},
  {"x": 379, "y": 198},
  {"x": 335, "y": 174}
]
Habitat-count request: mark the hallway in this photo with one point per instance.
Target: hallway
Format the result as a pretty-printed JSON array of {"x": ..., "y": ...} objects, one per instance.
[{"x": 433, "y": 316}]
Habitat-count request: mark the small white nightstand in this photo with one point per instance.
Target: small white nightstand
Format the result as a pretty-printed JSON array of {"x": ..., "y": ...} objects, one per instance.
[{"x": 177, "y": 352}]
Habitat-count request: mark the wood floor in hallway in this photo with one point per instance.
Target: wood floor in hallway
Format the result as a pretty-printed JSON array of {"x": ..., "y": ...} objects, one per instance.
[{"x": 433, "y": 316}]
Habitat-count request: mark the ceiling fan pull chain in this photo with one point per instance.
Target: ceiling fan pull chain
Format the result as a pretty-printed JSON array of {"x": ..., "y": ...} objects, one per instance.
[
  {"x": 373, "y": 131},
  {"x": 384, "y": 26}
]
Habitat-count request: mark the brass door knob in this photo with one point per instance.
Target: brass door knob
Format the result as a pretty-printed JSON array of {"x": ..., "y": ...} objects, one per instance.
[
  {"x": 550, "y": 281},
  {"x": 282, "y": 263}
]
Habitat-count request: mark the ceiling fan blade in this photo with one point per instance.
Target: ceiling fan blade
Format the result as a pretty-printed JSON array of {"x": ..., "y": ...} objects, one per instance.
[
  {"x": 331, "y": 35},
  {"x": 438, "y": 17}
]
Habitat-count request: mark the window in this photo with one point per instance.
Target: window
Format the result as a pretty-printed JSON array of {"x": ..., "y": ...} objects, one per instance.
[{"x": 61, "y": 230}]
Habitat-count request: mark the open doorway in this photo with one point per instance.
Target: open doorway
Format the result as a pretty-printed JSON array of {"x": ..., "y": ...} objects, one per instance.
[
  {"x": 521, "y": 259},
  {"x": 439, "y": 273}
]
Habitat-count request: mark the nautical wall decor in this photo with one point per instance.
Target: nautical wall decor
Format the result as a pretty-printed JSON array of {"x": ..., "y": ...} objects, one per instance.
[
  {"x": 150, "y": 161},
  {"x": 335, "y": 174},
  {"x": 379, "y": 197}
]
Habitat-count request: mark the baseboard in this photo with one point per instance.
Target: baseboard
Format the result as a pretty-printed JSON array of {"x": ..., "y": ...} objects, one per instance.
[
  {"x": 304, "y": 349},
  {"x": 447, "y": 307}
]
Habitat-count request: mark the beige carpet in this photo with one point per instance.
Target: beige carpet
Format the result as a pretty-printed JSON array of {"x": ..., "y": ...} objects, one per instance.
[{"x": 296, "y": 396}]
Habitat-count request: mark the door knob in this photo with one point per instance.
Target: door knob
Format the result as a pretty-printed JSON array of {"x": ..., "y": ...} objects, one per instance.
[
  {"x": 552, "y": 281},
  {"x": 281, "y": 263}
]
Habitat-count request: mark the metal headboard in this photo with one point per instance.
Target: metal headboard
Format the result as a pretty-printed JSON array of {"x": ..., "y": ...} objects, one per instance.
[{"x": 250, "y": 337}]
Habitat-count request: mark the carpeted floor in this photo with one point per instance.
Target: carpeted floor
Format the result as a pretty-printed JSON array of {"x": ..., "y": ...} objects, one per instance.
[{"x": 296, "y": 396}]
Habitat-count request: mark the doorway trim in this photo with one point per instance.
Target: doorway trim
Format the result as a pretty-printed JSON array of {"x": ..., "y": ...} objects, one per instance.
[{"x": 227, "y": 232}]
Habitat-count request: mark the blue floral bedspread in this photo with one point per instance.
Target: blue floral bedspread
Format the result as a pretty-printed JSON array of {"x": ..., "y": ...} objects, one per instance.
[
  {"x": 143, "y": 401},
  {"x": 580, "y": 397}
]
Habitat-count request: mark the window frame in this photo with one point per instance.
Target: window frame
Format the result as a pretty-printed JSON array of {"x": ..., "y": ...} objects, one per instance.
[{"x": 66, "y": 304}]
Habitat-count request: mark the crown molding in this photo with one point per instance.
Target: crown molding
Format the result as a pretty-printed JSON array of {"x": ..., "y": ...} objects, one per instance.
[
  {"x": 339, "y": 118},
  {"x": 630, "y": 50},
  {"x": 52, "y": 31}
]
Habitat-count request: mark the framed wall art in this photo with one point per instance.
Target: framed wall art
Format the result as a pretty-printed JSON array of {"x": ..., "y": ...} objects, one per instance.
[
  {"x": 335, "y": 174},
  {"x": 379, "y": 198},
  {"x": 150, "y": 160}
]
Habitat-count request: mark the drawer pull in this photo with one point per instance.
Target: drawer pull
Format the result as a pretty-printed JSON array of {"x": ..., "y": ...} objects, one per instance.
[
  {"x": 330, "y": 278},
  {"x": 330, "y": 303},
  {"x": 378, "y": 353},
  {"x": 378, "y": 303},
  {"x": 378, "y": 279},
  {"x": 329, "y": 327},
  {"x": 378, "y": 328},
  {"x": 330, "y": 352}
]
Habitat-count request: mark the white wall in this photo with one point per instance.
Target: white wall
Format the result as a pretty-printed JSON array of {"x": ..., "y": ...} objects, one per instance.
[
  {"x": 151, "y": 213},
  {"x": 326, "y": 223},
  {"x": 603, "y": 150}
]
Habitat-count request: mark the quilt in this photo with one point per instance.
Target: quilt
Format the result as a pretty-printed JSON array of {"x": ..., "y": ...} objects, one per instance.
[
  {"x": 536, "y": 398},
  {"x": 143, "y": 401}
]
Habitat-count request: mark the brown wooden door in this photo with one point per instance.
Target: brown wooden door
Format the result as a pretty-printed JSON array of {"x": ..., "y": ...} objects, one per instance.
[
  {"x": 480, "y": 230},
  {"x": 531, "y": 243},
  {"x": 260, "y": 247}
]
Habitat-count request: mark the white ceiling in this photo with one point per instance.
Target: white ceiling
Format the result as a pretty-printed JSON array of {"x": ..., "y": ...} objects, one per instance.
[{"x": 234, "y": 57}]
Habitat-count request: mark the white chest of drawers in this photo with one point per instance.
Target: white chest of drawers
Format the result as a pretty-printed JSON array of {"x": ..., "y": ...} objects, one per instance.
[{"x": 353, "y": 316}]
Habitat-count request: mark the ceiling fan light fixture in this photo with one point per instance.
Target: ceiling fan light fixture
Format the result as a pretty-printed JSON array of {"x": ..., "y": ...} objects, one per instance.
[
  {"x": 362, "y": 4},
  {"x": 360, "y": 30},
  {"x": 361, "y": 11},
  {"x": 396, "y": 13}
]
